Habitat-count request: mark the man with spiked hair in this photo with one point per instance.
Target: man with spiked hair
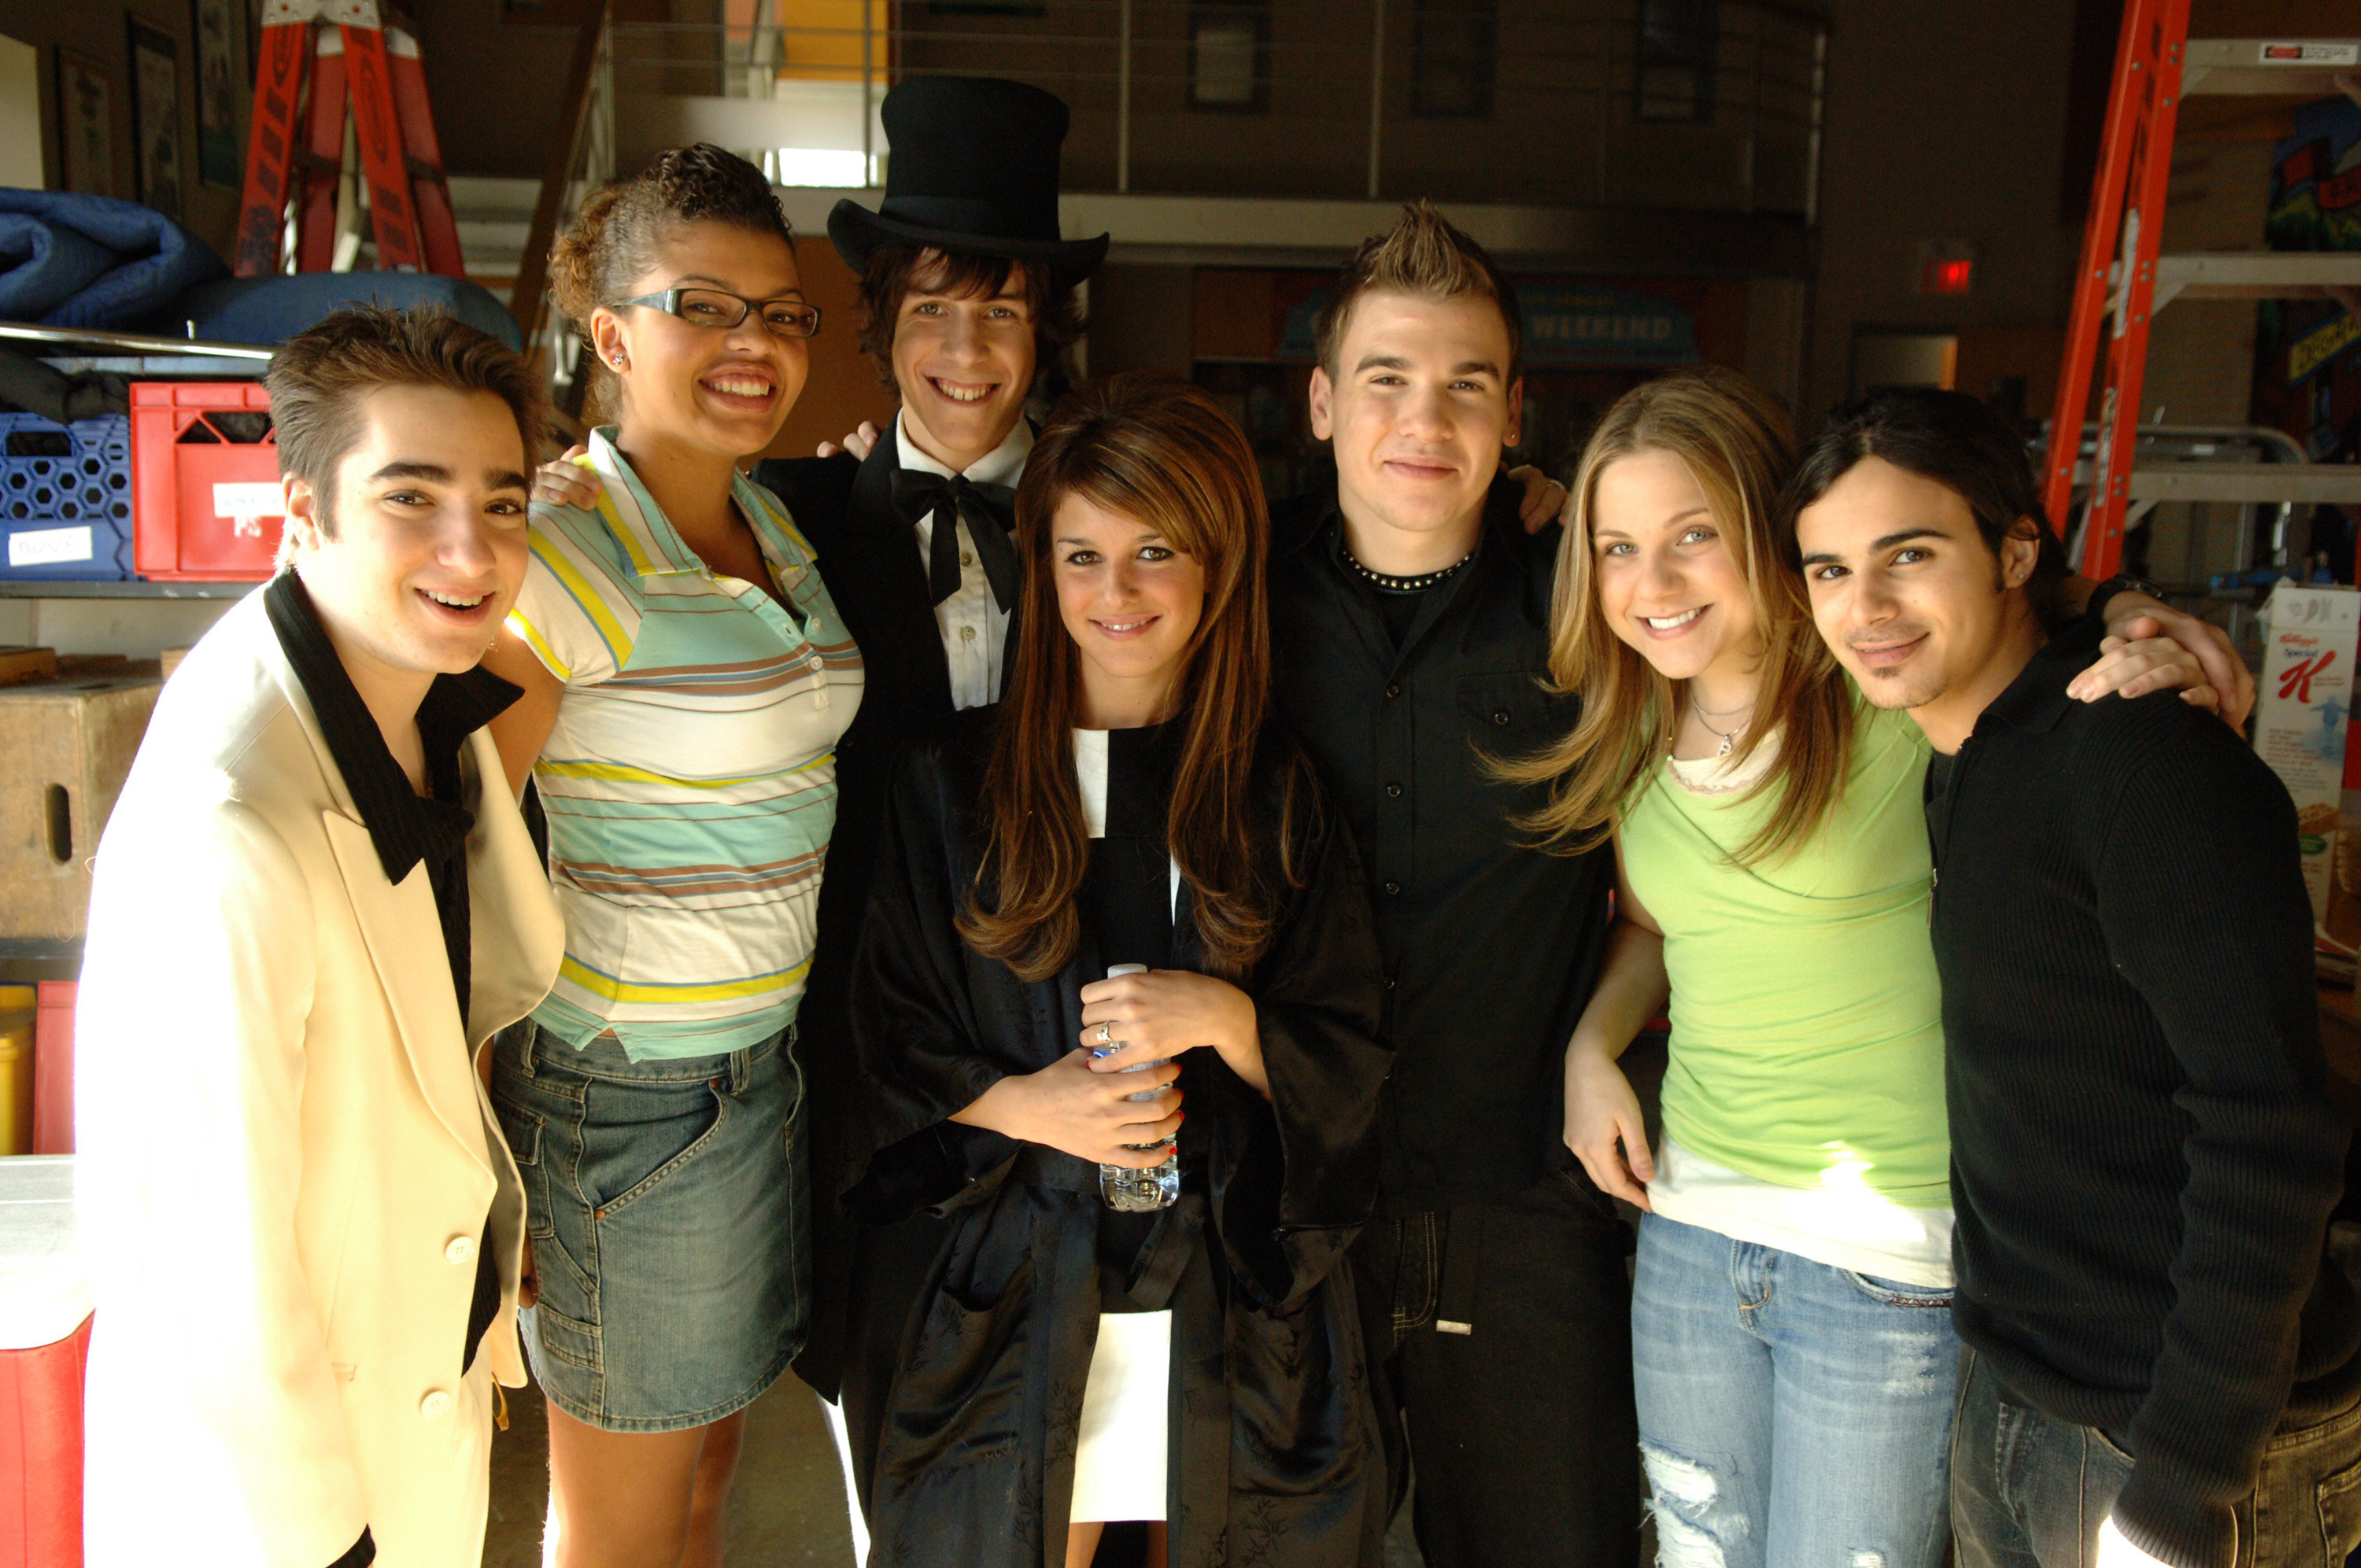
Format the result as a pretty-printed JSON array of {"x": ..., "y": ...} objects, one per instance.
[{"x": 1410, "y": 608}]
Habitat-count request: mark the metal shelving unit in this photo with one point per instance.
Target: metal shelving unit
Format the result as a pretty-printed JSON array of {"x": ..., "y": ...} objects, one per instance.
[
  {"x": 2124, "y": 281},
  {"x": 35, "y": 590}
]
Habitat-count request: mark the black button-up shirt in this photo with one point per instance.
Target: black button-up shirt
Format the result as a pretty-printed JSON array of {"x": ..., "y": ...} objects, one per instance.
[
  {"x": 1491, "y": 946},
  {"x": 405, "y": 827}
]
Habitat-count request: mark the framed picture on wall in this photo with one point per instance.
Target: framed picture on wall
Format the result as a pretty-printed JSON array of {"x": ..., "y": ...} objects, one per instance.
[
  {"x": 86, "y": 139},
  {"x": 156, "y": 117},
  {"x": 215, "y": 28}
]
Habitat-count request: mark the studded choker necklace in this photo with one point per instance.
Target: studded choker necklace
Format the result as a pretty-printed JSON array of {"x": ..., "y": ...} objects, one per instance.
[{"x": 1387, "y": 583}]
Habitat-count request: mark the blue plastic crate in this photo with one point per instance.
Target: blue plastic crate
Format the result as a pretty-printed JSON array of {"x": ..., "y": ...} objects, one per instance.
[{"x": 65, "y": 499}]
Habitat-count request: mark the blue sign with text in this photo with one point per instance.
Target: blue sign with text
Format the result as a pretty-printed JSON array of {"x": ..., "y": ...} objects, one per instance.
[{"x": 1566, "y": 323}]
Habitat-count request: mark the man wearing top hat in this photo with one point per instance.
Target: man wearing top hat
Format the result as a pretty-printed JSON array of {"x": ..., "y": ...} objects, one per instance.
[{"x": 968, "y": 292}]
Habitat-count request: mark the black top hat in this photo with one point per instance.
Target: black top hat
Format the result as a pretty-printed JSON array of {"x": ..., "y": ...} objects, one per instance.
[{"x": 974, "y": 169}]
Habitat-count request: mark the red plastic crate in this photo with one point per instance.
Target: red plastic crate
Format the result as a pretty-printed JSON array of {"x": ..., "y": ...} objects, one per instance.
[
  {"x": 53, "y": 1042},
  {"x": 190, "y": 442},
  {"x": 42, "y": 1453}
]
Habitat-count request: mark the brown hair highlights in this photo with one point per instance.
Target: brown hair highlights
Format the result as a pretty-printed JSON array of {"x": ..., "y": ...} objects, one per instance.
[
  {"x": 1149, "y": 446},
  {"x": 1054, "y": 306},
  {"x": 614, "y": 239},
  {"x": 318, "y": 378},
  {"x": 1423, "y": 254},
  {"x": 1739, "y": 447}
]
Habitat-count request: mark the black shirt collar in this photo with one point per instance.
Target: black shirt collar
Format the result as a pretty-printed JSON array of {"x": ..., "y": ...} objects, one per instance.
[
  {"x": 456, "y": 708},
  {"x": 1320, "y": 525},
  {"x": 2037, "y": 699}
]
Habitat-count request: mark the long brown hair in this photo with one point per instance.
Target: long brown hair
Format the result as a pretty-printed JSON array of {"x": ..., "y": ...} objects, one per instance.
[
  {"x": 1152, "y": 447},
  {"x": 1739, "y": 448}
]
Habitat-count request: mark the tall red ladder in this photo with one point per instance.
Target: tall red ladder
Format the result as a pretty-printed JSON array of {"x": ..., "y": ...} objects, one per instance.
[
  {"x": 2124, "y": 280},
  {"x": 350, "y": 54}
]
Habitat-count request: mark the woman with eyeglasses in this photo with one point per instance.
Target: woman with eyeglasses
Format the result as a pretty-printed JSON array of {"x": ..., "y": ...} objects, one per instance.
[{"x": 686, "y": 679}]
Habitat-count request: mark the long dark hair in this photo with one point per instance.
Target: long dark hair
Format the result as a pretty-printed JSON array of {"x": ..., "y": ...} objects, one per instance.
[
  {"x": 1155, "y": 448},
  {"x": 1957, "y": 441}
]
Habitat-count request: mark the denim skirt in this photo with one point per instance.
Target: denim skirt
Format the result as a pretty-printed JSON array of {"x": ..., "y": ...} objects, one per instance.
[{"x": 670, "y": 1215}]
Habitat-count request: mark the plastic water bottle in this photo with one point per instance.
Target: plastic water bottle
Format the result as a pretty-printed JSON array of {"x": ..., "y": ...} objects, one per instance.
[{"x": 1131, "y": 1190}]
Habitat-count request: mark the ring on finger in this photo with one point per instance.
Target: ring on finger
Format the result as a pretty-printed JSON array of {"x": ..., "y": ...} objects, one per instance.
[{"x": 1105, "y": 1039}]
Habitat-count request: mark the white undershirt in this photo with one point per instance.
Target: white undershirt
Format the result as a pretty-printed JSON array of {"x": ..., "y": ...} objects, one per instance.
[
  {"x": 1844, "y": 1227},
  {"x": 1119, "y": 1445},
  {"x": 974, "y": 628}
]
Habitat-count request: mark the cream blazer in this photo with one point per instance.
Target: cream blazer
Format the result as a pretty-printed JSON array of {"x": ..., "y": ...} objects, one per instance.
[{"x": 284, "y": 1154}]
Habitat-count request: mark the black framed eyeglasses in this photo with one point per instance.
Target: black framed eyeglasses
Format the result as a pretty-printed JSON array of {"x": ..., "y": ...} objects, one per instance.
[{"x": 713, "y": 308}]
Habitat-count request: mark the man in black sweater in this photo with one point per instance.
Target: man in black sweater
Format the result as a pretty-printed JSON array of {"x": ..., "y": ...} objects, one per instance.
[{"x": 2159, "y": 1363}]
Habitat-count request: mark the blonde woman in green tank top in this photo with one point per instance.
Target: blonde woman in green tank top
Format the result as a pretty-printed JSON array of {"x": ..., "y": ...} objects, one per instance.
[{"x": 1793, "y": 1359}]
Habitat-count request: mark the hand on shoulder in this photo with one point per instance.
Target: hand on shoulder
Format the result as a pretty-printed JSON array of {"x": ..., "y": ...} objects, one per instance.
[{"x": 563, "y": 482}]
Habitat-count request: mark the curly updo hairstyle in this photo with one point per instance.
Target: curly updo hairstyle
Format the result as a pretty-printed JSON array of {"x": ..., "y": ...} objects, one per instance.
[{"x": 614, "y": 239}]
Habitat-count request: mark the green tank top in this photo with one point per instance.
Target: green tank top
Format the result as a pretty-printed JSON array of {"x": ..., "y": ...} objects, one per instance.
[{"x": 1808, "y": 1039}]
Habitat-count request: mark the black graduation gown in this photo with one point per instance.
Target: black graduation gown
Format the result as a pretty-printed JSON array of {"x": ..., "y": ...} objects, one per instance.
[
  {"x": 1274, "y": 1454},
  {"x": 869, "y": 559}
]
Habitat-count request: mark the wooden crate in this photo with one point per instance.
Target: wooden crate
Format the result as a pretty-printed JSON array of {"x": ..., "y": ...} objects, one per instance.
[{"x": 65, "y": 748}]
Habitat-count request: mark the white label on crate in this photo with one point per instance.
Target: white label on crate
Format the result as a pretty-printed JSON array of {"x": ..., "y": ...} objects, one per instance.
[
  {"x": 51, "y": 546},
  {"x": 249, "y": 499}
]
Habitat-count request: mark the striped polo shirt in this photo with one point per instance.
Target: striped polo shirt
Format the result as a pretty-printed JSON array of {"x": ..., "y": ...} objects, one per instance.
[{"x": 690, "y": 778}]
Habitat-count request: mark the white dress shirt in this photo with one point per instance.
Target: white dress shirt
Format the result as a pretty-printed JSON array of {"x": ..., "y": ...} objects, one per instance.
[{"x": 974, "y": 628}]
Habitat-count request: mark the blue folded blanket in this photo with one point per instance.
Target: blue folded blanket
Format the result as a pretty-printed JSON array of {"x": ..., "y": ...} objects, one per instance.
[{"x": 93, "y": 261}]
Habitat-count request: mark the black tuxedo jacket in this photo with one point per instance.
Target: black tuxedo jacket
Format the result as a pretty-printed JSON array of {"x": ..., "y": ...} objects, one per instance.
[{"x": 869, "y": 559}]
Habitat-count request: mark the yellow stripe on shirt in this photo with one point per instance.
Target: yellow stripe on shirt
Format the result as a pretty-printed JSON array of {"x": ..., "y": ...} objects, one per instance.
[
  {"x": 610, "y": 630},
  {"x": 617, "y": 772},
  {"x": 614, "y": 990}
]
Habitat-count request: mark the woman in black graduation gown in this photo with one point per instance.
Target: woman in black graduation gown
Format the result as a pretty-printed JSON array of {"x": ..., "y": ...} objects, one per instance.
[{"x": 1128, "y": 802}]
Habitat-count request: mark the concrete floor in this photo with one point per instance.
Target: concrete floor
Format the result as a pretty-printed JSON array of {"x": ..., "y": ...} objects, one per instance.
[{"x": 788, "y": 1507}]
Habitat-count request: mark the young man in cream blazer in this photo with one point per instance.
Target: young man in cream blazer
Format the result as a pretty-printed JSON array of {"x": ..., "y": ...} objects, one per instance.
[{"x": 315, "y": 900}]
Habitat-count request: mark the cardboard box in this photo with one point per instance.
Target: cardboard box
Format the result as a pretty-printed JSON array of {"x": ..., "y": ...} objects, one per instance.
[
  {"x": 18, "y": 664},
  {"x": 2309, "y": 644},
  {"x": 65, "y": 748}
]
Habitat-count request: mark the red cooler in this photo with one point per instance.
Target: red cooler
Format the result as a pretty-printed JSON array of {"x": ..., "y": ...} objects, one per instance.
[{"x": 44, "y": 1342}]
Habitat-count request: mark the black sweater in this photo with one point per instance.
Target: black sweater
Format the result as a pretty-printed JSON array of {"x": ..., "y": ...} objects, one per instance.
[{"x": 2143, "y": 1157}]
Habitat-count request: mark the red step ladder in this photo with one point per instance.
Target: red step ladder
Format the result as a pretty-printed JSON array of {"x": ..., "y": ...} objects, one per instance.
[
  {"x": 350, "y": 55},
  {"x": 2124, "y": 280}
]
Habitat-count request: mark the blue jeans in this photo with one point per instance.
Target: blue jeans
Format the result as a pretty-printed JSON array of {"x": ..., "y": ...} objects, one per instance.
[
  {"x": 1792, "y": 1415},
  {"x": 671, "y": 1225},
  {"x": 2029, "y": 1490}
]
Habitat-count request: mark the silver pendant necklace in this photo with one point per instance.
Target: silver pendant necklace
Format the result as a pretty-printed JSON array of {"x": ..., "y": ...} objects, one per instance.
[{"x": 1730, "y": 736}]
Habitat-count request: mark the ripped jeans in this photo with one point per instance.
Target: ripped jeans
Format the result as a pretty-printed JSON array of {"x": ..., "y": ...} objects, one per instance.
[{"x": 1792, "y": 1415}]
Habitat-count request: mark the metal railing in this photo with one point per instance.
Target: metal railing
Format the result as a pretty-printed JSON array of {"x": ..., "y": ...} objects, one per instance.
[{"x": 1518, "y": 101}]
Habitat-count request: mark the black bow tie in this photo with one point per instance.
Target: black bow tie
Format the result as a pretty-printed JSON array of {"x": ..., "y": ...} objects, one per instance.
[{"x": 987, "y": 510}]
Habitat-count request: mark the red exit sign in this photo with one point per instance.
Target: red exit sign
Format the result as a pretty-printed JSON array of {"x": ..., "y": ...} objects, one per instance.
[{"x": 1947, "y": 275}]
